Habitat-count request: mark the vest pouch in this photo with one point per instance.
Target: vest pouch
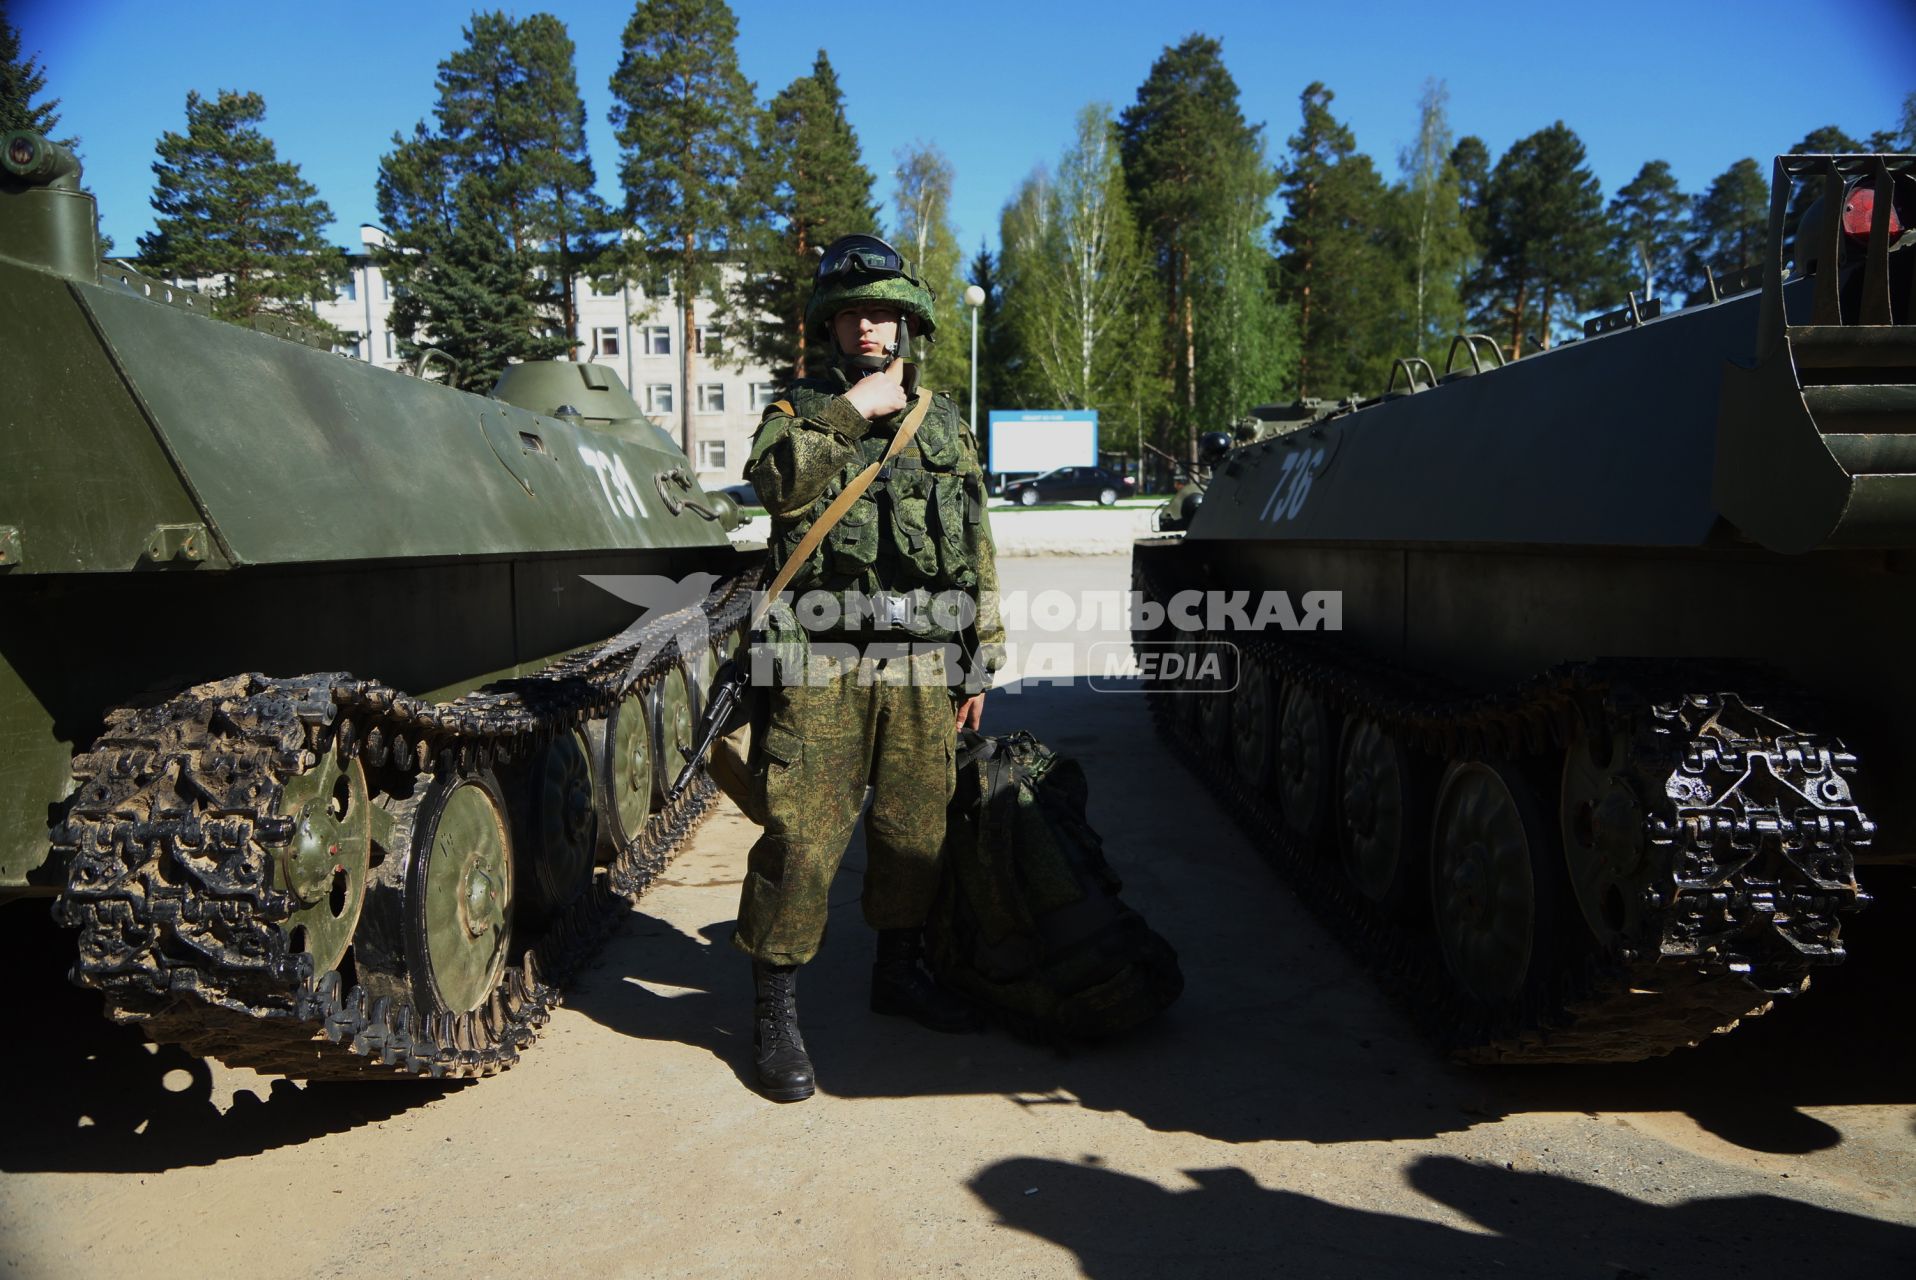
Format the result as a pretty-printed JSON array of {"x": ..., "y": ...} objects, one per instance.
[
  {"x": 815, "y": 563},
  {"x": 955, "y": 550},
  {"x": 853, "y": 541},
  {"x": 912, "y": 518}
]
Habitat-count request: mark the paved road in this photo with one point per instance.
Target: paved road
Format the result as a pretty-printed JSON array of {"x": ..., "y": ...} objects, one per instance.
[{"x": 1280, "y": 1120}]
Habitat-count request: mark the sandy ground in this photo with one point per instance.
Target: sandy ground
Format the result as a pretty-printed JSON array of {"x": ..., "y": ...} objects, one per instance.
[{"x": 1280, "y": 1120}]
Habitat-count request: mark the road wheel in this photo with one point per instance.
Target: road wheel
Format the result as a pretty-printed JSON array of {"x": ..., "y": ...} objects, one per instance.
[
  {"x": 560, "y": 835},
  {"x": 1029, "y": 497},
  {"x": 623, "y": 751},
  {"x": 1488, "y": 878},
  {"x": 438, "y": 919},
  {"x": 1306, "y": 751},
  {"x": 1254, "y": 734},
  {"x": 1382, "y": 815},
  {"x": 1107, "y": 497},
  {"x": 673, "y": 727},
  {"x": 1605, "y": 850}
]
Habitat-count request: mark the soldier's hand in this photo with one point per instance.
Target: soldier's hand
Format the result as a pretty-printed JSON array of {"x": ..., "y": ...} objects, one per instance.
[
  {"x": 971, "y": 713},
  {"x": 877, "y": 396}
]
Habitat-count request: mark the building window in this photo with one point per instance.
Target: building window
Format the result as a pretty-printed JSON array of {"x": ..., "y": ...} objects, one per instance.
[
  {"x": 349, "y": 289},
  {"x": 763, "y": 394},
  {"x": 385, "y": 287},
  {"x": 708, "y": 342},
  {"x": 606, "y": 339},
  {"x": 658, "y": 398},
  {"x": 606, "y": 288},
  {"x": 389, "y": 344},
  {"x": 711, "y": 397},
  {"x": 658, "y": 340},
  {"x": 711, "y": 455}
]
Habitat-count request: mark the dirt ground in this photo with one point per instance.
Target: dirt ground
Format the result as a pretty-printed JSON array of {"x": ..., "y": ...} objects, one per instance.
[{"x": 1281, "y": 1119}]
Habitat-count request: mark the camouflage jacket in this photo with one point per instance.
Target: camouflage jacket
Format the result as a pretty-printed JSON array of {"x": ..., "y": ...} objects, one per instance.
[{"x": 923, "y": 526}]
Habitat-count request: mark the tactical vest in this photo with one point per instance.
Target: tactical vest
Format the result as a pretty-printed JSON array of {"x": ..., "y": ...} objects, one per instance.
[{"x": 919, "y": 524}]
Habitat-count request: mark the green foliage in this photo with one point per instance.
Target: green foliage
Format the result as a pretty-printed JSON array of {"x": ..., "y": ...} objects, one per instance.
[
  {"x": 1546, "y": 242},
  {"x": 682, "y": 112},
  {"x": 808, "y": 186},
  {"x": 471, "y": 303},
  {"x": 1651, "y": 219},
  {"x": 923, "y": 234},
  {"x": 1729, "y": 224},
  {"x": 229, "y": 208},
  {"x": 1198, "y": 182},
  {"x": 509, "y": 149},
  {"x": 1828, "y": 140},
  {"x": 1430, "y": 240},
  {"x": 994, "y": 335},
  {"x": 1903, "y": 137},
  {"x": 1336, "y": 268},
  {"x": 1080, "y": 309},
  {"x": 1470, "y": 161},
  {"x": 21, "y": 80}
]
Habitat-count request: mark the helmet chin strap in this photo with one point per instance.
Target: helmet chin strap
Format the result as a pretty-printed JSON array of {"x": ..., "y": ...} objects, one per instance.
[{"x": 861, "y": 365}]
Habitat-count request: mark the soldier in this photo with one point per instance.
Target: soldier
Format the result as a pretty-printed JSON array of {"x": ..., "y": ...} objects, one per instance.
[{"x": 910, "y": 547}]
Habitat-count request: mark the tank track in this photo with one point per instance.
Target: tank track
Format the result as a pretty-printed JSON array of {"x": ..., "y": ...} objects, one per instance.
[
  {"x": 169, "y": 845},
  {"x": 1757, "y": 895}
]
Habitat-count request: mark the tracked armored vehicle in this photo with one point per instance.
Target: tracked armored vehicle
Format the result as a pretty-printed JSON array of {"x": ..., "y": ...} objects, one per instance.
[
  {"x": 312, "y": 726},
  {"x": 1621, "y": 691}
]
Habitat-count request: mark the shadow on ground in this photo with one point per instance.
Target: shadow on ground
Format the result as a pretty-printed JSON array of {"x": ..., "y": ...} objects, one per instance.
[
  {"x": 1278, "y": 1035},
  {"x": 84, "y": 1094},
  {"x": 1530, "y": 1224}
]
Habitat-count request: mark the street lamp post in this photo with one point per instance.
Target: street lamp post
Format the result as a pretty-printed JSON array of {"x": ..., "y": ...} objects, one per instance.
[{"x": 974, "y": 298}]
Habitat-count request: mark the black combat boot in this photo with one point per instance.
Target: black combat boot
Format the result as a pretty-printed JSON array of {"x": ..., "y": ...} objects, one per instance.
[
  {"x": 784, "y": 1070},
  {"x": 901, "y": 986}
]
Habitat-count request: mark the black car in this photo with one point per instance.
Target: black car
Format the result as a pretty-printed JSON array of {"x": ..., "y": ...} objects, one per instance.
[{"x": 1071, "y": 484}]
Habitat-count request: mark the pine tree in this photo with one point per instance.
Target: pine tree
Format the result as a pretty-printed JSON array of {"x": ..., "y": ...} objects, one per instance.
[
  {"x": 683, "y": 113},
  {"x": 230, "y": 208},
  {"x": 1729, "y": 225},
  {"x": 1470, "y": 161},
  {"x": 21, "y": 81},
  {"x": 1651, "y": 216},
  {"x": 1546, "y": 238},
  {"x": 1197, "y": 176},
  {"x": 923, "y": 234},
  {"x": 1903, "y": 137},
  {"x": 1335, "y": 269},
  {"x": 471, "y": 303},
  {"x": 1434, "y": 243},
  {"x": 809, "y": 186},
  {"x": 508, "y": 142}
]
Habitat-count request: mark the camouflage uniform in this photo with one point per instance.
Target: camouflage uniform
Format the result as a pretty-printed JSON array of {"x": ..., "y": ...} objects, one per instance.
[{"x": 889, "y": 717}]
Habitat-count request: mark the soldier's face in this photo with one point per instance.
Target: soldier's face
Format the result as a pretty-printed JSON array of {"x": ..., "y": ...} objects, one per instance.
[{"x": 865, "y": 330}]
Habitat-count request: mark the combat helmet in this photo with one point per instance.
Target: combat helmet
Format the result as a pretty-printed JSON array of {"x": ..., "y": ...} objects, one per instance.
[{"x": 863, "y": 268}]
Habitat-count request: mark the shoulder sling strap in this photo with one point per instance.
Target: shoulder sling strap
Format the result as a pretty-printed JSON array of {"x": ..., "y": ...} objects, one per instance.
[{"x": 839, "y": 506}]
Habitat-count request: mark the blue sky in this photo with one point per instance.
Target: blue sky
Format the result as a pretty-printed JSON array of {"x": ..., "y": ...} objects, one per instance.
[{"x": 997, "y": 85}]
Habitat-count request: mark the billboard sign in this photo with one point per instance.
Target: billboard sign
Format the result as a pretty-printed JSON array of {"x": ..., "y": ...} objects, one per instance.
[{"x": 1025, "y": 440}]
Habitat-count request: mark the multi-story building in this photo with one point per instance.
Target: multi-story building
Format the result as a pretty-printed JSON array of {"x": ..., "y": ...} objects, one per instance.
[{"x": 725, "y": 403}]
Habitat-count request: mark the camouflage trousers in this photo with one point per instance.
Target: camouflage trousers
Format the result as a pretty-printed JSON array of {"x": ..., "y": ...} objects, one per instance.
[{"x": 890, "y": 721}]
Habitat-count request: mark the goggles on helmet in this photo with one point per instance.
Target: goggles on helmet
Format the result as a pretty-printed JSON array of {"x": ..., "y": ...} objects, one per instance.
[{"x": 860, "y": 255}]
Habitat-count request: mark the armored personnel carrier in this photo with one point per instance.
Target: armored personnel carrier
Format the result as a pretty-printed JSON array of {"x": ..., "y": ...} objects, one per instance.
[
  {"x": 1621, "y": 690},
  {"x": 314, "y": 729}
]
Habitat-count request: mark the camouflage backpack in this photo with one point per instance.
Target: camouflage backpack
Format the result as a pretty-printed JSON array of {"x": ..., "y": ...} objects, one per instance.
[{"x": 1027, "y": 922}]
